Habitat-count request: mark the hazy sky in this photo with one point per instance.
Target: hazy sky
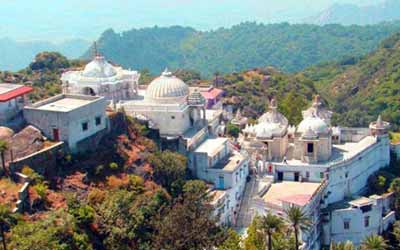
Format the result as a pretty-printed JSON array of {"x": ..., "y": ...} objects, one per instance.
[{"x": 62, "y": 19}]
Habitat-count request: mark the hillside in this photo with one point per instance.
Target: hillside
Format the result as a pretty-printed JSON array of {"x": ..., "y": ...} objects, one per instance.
[
  {"x": 349, "y": 14},
  {"x": 287, "y": 47},
  {"x": 15, "y": 55},
  {"x": 360, "y": 89}
]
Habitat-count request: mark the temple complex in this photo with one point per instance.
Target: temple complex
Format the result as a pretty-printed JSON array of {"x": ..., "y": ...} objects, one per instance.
[{"x": 101, "y": 78}]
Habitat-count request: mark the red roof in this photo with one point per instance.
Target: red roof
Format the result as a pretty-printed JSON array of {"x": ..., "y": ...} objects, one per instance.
[
  {"x": 15, "y": 93},
  {"x": 212, "y": 93}
]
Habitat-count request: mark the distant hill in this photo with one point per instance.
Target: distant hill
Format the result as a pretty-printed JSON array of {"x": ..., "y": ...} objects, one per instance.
[
  {"x": 348, "y": 14},
  {"x": 17, "y": 55},
  {"x": 287, "y": 47},
  {"x": 359, "y": 89}
]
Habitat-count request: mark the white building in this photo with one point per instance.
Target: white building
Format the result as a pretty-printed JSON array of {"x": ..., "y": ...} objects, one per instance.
[
  {"x": 165, "y": 105},
  {"x": 13, "y": 97},
  {"x": 315, "y": 152},
  {"x": 100, "y": 78},
  {"x": 356, "y": 219},
  {"x": 216, "y": 162},
  {"x": 69, "y": 118},
  {"x": 306, "y": 195}
]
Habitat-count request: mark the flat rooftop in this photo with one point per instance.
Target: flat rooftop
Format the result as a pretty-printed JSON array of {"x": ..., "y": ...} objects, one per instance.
[
  {"x": 64, "y": 103},
  {"x": 299, "y": 193},
  {"x": 230, "y": 163},
  {"x": 211, "y": 146},
  {"x": 341, "y": 152}
]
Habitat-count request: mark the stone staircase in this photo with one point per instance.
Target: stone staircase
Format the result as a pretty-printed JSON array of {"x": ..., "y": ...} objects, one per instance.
[{"x": 251, "y": 201}]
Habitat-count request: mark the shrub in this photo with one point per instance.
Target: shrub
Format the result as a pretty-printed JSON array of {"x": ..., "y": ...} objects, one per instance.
[
  {"x": 96, "y": 196},
  {"x": 113, "y": 166},
  {"x": 41, "y": 190},
  {"x": 35, "y": 177}
]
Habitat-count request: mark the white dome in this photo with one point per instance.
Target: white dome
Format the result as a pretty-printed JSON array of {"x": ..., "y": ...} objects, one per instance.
[
  {"x": 269, "y": 130},
  {"x": 99, "y": 68},
  {"x": 167, "y": 86},
  {"x": 316, "y": 124}
]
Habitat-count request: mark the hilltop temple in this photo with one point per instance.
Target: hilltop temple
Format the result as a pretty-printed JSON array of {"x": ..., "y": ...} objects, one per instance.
[
  {"x": 322, "y": 169},
  {"x": 101, "y": 78}
]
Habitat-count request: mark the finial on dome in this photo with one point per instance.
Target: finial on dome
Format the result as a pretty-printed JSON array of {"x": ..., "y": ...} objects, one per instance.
[
  {"x": 379, "y": 122},
  {"x": 166, "y": 72},
  {"x": 95, "y": 50},
  {"x": 273, "y": 104}
]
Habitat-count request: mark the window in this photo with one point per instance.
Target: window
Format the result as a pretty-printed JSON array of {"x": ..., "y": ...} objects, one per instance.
[
  {"x": 321, "y": 175},
  {"x": 366, "y": 221},
  {"x": 85, "y": 126},
  {"x": 310, "y": 148},
  {"x": 97, "y": 120},
  {"x": 221, "y": 183},
  {"x": 173, "y": 117},
  {"x": 307, "y": 174},
  {"x": 346, "y": 224}
]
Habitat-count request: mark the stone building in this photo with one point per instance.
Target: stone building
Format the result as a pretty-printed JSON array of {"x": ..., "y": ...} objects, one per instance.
[
  {"x": 69, "y": 118},
  {"x": 100, "y": 78}
]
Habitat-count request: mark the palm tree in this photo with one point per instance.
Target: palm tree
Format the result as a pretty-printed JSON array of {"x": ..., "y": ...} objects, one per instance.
[
  {"x": 299, "y": 222},
  {"x": 271, "y": 224},
  {"x": 348, "y": 245},
  {"x": 6, "y": 218},
  {"x": 374, "y": 242},
  {"x": 3, "y": 149}
]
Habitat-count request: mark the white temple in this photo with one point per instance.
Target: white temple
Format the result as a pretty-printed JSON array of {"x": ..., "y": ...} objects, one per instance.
[
  {"x": 168, "y": 107},
  {"x": 316, "y": 167},
  {"x": 101, "y": 78}
]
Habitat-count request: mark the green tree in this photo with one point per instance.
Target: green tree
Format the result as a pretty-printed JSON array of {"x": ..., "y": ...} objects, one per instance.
[
  {"x": 395, "y": 188},
  {"x": 271, "y": 224},
  {"x": 348, "y": 245},
  {"x": 188, "y": 223},
  {"x": 396, "y": 232},
  {"x": 57, "y": 231},
  {"x": 255, "y": 239},
  {"x": 3, "y": 149},
  {"x": 299, "y": 222},
  {"x": 233, "y": 242},
  {"x": 232, "y": 130},
  {"x": 374, "y": 242},
  {"x": 6, "y": 219},
  {"x": 169, "y": 169},
  {"x": 49, "y": 61}
]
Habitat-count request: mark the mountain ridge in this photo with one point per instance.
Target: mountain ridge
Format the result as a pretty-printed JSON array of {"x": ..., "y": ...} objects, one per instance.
[{"x": 289, "y": 47}]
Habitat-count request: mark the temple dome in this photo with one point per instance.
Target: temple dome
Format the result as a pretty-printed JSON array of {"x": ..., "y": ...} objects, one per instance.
[
  {"x": 167, "y": 86},
  {"x": 316, "y": 124},
  {"x": 99, "y": 68}
]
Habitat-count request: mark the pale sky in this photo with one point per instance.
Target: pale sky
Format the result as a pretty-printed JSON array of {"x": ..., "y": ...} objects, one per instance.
[{"x": 63, "y": 19}]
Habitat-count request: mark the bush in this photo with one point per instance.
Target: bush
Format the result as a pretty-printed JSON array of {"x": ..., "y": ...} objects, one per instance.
[
  {"x": 113, "y": 166},
  {"x": 35, "y": 177},
  {"x": 41, "y": 190},
  {"x": 96, "y": 196}
]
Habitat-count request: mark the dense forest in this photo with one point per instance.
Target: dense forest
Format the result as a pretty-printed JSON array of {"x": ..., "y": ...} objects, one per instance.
[
  {"x": 357, "y": 89},
  {"x": 284, "y": 46}
]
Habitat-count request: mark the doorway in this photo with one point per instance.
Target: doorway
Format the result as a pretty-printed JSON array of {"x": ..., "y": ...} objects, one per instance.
[
  {"x": 297, "y": 176},
  {"x": 56, "y": 134},
  {"x": 280, "y": 176}
]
